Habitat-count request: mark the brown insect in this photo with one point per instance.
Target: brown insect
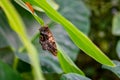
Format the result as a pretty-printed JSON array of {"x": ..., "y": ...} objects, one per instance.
[{"x": 47, "y": 40}]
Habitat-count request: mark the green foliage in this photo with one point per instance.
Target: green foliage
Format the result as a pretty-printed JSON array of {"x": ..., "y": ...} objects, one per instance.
[
  {"x": 81, "y": 14},
  {"x": 14, "y": 20},
  {"x": 115, "y": 70},
  {"x": 82, "y": 41},
  {"x": 22, "y": 4},
  {"x": 51, "y": 2},
  {"x": 73, "y": 76},
  {"x": 67, "y": 36},
  {"x": 116, "y": 24},
  {"x": 7, "y": 73},
  {"x": 67, "y": 64},
  {"x": 118, "y": 49},
  {"x": 72, "y": 68}
]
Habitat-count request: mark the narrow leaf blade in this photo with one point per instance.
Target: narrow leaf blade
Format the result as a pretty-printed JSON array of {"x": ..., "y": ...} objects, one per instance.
[
  {"x": 115, "y": 70},
  {"x": 67, "y": 64},
  {"x": 81, "y": 40}
]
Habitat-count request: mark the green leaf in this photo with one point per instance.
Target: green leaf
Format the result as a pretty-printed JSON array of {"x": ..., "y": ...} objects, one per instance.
[
  {"x": 6, "y": 73},
  {"x": 115, "y": 70},
  {"x": 118, "y": 48},
  {"x": 17, "y": 25},
  {"x": 116, "y": 24},
  {"x": 67, "y": 64},
  {"x": 81, "y": 40},
  {"x": 73, "y": 76}
]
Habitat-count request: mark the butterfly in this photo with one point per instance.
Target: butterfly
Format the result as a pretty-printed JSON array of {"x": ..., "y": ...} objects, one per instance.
[{"x": 47, "y": 40}]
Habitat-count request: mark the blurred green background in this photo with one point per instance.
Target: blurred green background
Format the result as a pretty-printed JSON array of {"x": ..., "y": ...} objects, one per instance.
[{"x": 99, "y": 20}]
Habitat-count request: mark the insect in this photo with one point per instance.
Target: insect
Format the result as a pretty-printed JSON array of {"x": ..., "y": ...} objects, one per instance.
[
  {"x": 47, "y": 40},
  {"x": 30, "y": 7}
]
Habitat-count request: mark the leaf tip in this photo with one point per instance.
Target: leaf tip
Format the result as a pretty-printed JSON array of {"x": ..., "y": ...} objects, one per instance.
[{"x": 112, "y": 64}]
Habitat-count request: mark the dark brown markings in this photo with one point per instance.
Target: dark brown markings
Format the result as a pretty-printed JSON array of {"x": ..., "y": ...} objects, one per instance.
[{"x": 47, "y": 40}]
